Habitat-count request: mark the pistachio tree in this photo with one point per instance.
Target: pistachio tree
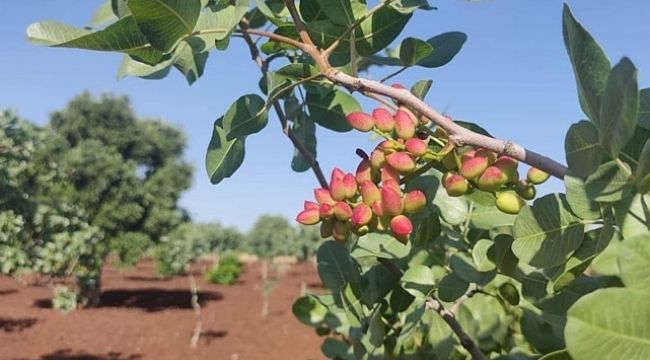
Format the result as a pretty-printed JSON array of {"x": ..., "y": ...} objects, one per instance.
[{"x": 440, "y": 247}]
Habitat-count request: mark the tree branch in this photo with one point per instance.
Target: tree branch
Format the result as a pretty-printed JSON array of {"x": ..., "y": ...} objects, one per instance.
[
  {"x": 308, "y": 44},
  {"x": 465, "y": 340},
  {"x": 458, "y": 135},
  {"x": 302, "y": 149}
]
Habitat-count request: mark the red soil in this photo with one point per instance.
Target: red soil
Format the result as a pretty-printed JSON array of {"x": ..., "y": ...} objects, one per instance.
[{"x": 144, "y": 317}]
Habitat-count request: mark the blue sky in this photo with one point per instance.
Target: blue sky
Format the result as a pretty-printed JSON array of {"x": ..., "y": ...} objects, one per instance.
[{"x": 513, "y": 77}]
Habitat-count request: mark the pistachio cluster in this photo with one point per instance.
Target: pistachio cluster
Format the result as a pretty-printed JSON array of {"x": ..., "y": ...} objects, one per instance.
[
  {"x": 488, "y": 172},
  {"x": 373, "y": 198}
]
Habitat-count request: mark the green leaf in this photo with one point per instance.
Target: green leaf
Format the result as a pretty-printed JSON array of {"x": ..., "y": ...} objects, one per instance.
[
  {"x": 103, "y": 14},
  {"x": 189, "y": 63},
  {"x": 120, "y": 9},
  {"x": 165, "y": 22},
  {"x": 330, "y": 110},
  {"x": 642, "y": 175},
  {"x": 634, "y": 262},
  {"x": 224, "y": 156},
  {"x": 597, "y": 328},
  {"x": 376, "y": 283},
  {"x": 509, "y": 293},
  {"x": 633, "y": 215},
  {"x": 590, "y": 65},
  {"x": 343, "y": 12},
  {"x": 122, "y": 36},
  {"x": 418, "y": 281},
  {"x": 451, "y": 288},
  {"x": 583, "y": 150},
  {"x": 501, "y": 254},
  {"x": 608, "y": 184},
  {"x": 428, "y": 231},
  {"x": 409, "y": 6},
  {"x": 217, "y": 22},
  {"x": 546, "y": 233},
  {"x": 380, "y": 245},
  {"x": 335, "y": 267},
  {"x": 277, "y": 86},
  {"x": 130, "y": 67},
  {"x": 309, "y": 310},
  {"x": 594, "y": 242},
  {"x": 557, "y": 355},
  {"x": 489, "y": 217},
  {"x": 297, "y": 71},
  {"x": 619, "y": 107},
  {"x": 413, "y": 50},
  {"x": 376, "y": 32},
  {"x": 245, "y": 116},
  {"x": 643, "y": 119},
  {"x": 579, "y": 202},
  {"x": 445, "y": 47},
  {"x": 463, "y": 267},
  {"x": 480, "y": 255},
  {"x": 305, "y": 130},
  {"x": 336, "y": 349},
  {"x": 421, "y": 88}
]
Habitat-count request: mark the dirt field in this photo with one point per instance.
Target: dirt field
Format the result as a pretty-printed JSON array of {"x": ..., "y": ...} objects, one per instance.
[{"x": 144, "y": 317}]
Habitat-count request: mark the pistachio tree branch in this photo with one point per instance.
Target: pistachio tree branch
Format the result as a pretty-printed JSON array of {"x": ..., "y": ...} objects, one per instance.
[
  {"x": 465, "y": 340},
  {"x": 297, "y": 143},
  {"x": 458, "y": 135}
]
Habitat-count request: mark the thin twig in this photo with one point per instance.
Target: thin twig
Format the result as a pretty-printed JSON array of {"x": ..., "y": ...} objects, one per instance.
[
  {"x": 297, "y": 143},
  {"x": 465, "y": 340}
]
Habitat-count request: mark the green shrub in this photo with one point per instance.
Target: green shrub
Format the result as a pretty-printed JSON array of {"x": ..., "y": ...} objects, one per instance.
[
  {"x": 64, "y": 299},
  {"x": 226, "y": 272}
]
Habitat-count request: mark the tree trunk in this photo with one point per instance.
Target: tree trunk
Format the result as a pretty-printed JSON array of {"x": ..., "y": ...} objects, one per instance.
[
  {"x": 265, "y": 290},
  {"x": 198, "y": 325},
  {"x": 89, "y": 290}
]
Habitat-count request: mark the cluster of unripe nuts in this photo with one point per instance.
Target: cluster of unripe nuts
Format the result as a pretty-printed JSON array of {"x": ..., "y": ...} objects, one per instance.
[
  {"x": 373, "y": 199},
  {"x": 484, "y": 170}
]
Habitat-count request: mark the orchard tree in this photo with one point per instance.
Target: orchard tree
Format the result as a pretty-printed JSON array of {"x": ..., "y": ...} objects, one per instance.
[
  {"x": 441, "y": 247},
  {"x": 41, "y": 229}
]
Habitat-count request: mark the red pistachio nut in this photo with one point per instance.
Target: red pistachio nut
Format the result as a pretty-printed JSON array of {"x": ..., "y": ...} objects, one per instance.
[
  {"x": 474, "y": 167},
  {"x": 384, "y": 121},
  {"x": 492, "y": 179},
  {"x": 467, "y": 155},
  {"x": 401, "y": 227},
  {"x": 377, "y": 159},
  {"x": 455, "y": 184},
  {"x": 310, "y": 205},
  {"x": 391, "y": 202},
  {"x": 509, "y": 167},
  {"x": 337, "y": 189},
  {"x": 323, "y": 196},
  {"x": 337, "y": 173},
  {"x": 326, "y": 211},
  {"x": 342, "y": 211},
  {"x": 404, "y": 125},
  {"x": 308, "y": 217},
  {"x": 378, "y": 208},
  {"x": 414, "y": 201},
  {"x": 401, "y": 161},
  {"x": 489, "y": 155},
  {"x": 416, "y": 146},
  {"x": 369, "y": 192},
  {"x": 389, "y": 173},
  {"x": 361, "y": 215},
  {"x": 361, "y": 121},
  {"x": 350, "y": 184},
  {"x": 390, "y": 183},
  {"x": 364, "y": 171},
  {"x": 536, "y": 176}
]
